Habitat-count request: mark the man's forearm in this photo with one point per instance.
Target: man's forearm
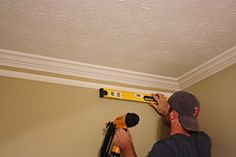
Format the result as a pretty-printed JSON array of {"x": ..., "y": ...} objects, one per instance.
[{"x": 129, "y": 152}]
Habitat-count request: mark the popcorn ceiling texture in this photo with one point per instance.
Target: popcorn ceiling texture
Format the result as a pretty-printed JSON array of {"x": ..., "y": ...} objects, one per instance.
[{"x": 160, "y": 37}]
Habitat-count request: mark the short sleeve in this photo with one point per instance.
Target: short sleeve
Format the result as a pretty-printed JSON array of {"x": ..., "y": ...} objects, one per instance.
[{"x": 207, "y": 139}]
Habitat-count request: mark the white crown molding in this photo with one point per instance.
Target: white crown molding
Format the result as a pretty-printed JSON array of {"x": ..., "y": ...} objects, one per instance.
[
  {"x": 66, "y": 67},
  {"x": 208, "y": 68},
  {"x": 71, "y": 82}
]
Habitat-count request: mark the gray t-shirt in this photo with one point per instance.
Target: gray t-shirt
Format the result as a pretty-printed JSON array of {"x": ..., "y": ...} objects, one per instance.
[{"x": 180, "y": 145}]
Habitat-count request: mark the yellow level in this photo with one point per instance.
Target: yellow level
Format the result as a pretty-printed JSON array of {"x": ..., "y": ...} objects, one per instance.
[{"x": 125, "y": 95}]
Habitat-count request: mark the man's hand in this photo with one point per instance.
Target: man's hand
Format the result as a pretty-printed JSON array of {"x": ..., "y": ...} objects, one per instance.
[
  {"x": 123, "y": 140},
  {"x": 161, "y": 106}
]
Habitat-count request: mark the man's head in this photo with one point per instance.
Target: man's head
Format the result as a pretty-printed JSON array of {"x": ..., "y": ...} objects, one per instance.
[{"x": 188, "y": 107}]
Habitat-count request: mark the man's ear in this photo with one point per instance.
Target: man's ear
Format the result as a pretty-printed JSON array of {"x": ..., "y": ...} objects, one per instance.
[{"x": 173, "y": 115}]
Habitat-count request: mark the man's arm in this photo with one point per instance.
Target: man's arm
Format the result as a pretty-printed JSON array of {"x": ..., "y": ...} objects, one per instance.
[{"x": 122, "y": 139}]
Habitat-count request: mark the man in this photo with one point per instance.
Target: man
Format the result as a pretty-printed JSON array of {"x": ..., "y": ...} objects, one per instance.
[{"x": 186, "y": 139}]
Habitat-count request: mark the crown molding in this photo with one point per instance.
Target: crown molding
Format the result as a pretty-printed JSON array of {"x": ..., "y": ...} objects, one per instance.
[
  {"x": 72, "y": 68},
  {"x": 71, "y": 82},
  {"x": 208, "y": 68}
]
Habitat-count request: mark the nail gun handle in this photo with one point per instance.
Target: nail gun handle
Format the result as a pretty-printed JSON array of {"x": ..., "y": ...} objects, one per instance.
[{"x": 115, "y": 152}]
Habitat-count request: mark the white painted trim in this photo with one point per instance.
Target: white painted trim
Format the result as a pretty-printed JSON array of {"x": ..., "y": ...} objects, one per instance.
[
  {"x": 208, "y": 68},
  {"x": 66, "y": 67},
  {"x": 85, "y": 84}
]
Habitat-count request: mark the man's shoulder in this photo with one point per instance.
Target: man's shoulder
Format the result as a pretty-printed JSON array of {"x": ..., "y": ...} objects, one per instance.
[
  {"x": 202, "y": 137},
  {"x": 161, "y": 148},
  {"x": 180, "y": 142},
  {"x": 199, "y": 140}
]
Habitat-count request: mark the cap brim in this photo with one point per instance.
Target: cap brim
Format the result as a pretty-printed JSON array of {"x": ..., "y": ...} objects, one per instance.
[{"x": 189, "y": 123}]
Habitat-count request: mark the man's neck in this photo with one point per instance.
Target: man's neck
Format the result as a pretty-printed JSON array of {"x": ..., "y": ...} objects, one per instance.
[{"x": 178, "y": 129}]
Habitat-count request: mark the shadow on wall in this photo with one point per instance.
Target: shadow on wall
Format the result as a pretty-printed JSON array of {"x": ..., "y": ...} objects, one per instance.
[{"x": 163, "y": 129}]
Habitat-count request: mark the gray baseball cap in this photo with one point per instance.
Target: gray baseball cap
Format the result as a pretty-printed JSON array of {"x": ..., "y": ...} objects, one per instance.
[{"x": 188, "y": 107}]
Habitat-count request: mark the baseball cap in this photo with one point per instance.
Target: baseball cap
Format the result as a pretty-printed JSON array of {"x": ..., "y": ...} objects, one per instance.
[{"x": 188, "y": 107}]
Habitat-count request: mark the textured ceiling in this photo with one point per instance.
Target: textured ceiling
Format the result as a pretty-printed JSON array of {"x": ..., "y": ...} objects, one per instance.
[{"x": 162, "y": 37}]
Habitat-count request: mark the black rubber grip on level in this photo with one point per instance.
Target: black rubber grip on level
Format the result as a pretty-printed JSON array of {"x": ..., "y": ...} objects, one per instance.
[{"x": 149, "y": 98}]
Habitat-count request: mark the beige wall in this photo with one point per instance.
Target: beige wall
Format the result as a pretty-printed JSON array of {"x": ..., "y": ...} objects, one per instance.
[
  {"x": 41, "y": 119},
  {"x": 218, "y": 98},
  {"x": 50, "y": 120}
]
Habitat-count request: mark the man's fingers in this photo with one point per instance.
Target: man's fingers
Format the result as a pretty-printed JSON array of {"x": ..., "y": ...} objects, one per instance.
[
  {"x": 159, "y": 97},
  {"x": 154, "y": 105},
  {"x": 117, "y": 135},
  {"x": 121, "y": 132},
  {"x": 156, "y": 97}
]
